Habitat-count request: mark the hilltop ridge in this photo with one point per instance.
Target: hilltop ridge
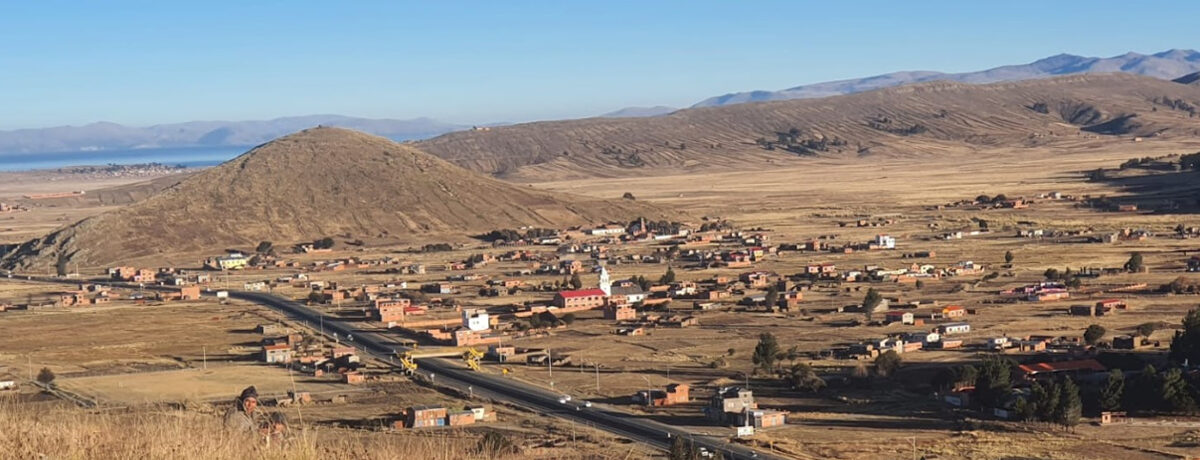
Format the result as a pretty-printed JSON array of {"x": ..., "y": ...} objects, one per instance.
[
  {"x": 314, "y": 183},
  {"x": 919, "y": 119}
]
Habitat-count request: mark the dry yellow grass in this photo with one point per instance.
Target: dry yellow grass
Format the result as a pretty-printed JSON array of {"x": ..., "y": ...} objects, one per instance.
[
  {"x": 51, "y": 431},
  {"x": 68, "y": 433}
]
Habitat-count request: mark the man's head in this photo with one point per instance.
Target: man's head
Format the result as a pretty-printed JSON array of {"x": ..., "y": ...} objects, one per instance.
[{"x": 249, "y": 399}]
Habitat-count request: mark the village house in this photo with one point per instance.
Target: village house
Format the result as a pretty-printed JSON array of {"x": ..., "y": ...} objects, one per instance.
[
  {"x": 1031, "y": 346},
  {"x": 391, "y": 310},
  {"x": 626, "y": 293},
  {"x": 189, "y": 293},
  {"x": 954, "y": 328},
  {"x": 679, "y": 321},
  {"x": 758, "y": 279},
  {"x": 724, "y": 406},
  {"x": 790, "y": 299},
  {"x": 884, "y": 242},
  {"x": 460, "y": 418},
  {"x": 354, "y": 378},
  {"x": 437, "y": 288},
  {"x": 425, "y": 416},
  {"x": 1074, "y": 369},
  {"x": 1126, "y": 342},
  {"x": 1109, "y": 305},
  {"x": 902, "y": 317},
  {"x": 607, "y": 230},
  {"x": 466, "y": 337},
  {"x": 620, "y": 313},
  {"x": 570, "y": 267},
  {"x": 675, "y": 393},
  {"x": 279, "y": 353},
  {"x": 760, "y": 418},
  {"x": 954, "y": 311},
  {"x": 475, "y": 319},
  {"x": 631, "y": 331},
  {"x": 481, "y": 413},
  {"x": 231, "y": 261},
  {"x": 580, "y": 299}
]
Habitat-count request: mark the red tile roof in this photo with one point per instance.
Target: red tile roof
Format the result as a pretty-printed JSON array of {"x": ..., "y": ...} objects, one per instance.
[
  {"x": 1063, "y": 366},
  {"x": 582, "y": 293}
]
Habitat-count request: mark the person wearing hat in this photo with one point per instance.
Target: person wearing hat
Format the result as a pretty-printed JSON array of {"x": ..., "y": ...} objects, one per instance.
[{"x": 244, "y": 416}]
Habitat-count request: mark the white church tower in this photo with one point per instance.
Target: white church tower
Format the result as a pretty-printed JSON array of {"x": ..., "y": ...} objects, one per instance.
[{"x": 605, "y": 282}]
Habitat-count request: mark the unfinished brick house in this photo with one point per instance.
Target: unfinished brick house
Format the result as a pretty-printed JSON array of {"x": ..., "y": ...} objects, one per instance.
[
  {"x": 620, "y": 313},
  {"x": 391, "y": 310}
]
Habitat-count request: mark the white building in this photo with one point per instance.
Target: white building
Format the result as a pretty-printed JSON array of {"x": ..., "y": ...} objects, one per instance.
[
  {"x": 475, "y": 319},
  {"x": 954, "y": 328},
  {"x": 607, "y": 230},
  {"x": 885, "y": 242},
  {"x": 605, "y": 282}
]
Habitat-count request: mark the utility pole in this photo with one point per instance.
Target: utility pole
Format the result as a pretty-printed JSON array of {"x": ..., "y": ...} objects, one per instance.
[
  {"x": 597, "y": 377},
  {"x": 550, "y": 359},
  {"x": 649, "y": 391},
  {"x": 204, "y": 351}
]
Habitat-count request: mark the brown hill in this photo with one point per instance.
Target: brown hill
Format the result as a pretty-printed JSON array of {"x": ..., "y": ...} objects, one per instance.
[
  {"x": 315, "y": 183},
  {"x": 908, "y": 120}
]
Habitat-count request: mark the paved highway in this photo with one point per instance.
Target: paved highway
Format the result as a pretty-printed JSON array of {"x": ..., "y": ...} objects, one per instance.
[{"x": 446, "y": 373}]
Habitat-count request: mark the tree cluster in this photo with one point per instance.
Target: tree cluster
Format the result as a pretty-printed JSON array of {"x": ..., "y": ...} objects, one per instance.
[
  {"x": 1185, "y": 347},
  {"x": 871, "y": 301},
  {"x": 509, "y": 234},
  {"x": 1190, "y": 161},
  {"x": 1054, "y": 401},
  {"x": 1181, "y": 285},
  {"x": 1151, "y": 391},
  {"x": 993, "y": 381},
  {"x": 683, "y": 449},
  {"x": 661, "y": 227},
  {"x": 766, "y": 353},
  {"x": 544, "y": 320},
  {"x": 437, "y": 247},
  {"x": 668, "y": 277}
]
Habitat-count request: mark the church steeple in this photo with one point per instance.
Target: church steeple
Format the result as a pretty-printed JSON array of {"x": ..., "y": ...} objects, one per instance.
[{"x": 605, "y": 282}]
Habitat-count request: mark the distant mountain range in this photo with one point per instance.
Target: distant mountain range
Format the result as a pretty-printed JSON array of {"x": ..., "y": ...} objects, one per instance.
[
  {"x": 1166, "y": 65},
  {"x": 112, "y": 136}
]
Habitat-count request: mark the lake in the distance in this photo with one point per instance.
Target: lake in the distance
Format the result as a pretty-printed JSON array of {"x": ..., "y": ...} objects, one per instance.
[{"x": 185, "y": 156}]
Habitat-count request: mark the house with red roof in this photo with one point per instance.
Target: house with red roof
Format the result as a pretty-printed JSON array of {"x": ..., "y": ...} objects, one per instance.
[{"x": 1073, "y": 369}]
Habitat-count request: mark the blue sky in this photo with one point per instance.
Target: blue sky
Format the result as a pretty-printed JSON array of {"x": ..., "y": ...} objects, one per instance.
[{"x": 153, "y": 62}]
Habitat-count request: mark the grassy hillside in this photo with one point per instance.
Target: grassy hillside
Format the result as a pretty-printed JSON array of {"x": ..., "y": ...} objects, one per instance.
[
  {"x": 315, "y": 183},
  {"x": 921, "y": 119}
]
